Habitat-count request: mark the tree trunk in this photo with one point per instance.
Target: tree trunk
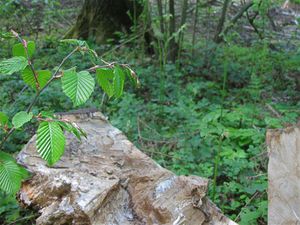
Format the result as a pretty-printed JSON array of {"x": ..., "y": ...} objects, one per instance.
[
  {"x": 106, "y": 180},
  {"x": 183, "y": 21},
  {"x": 172, "y": 28},
  {"x": 195, "y": 27},
  {"x": 283, "y": 172},
  {"x": 221, "y": 30},
  {"x": 218, "y": 36},
  {"x": 237, "y": 16},
  {"x": 100, "y": 19},
  {"x": 160, "y": 13}
]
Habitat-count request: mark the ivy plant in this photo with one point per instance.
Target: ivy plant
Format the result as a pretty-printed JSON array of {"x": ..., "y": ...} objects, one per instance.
[{"x": 77, "y": 85}]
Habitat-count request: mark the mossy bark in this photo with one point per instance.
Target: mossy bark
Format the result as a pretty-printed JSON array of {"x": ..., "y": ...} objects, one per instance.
[{"x": 100, "y": 19}]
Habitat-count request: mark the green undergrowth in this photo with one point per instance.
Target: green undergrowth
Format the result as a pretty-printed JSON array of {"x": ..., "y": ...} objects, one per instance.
[
  {"x": 207, "y": 116},
  {"x": 193, "y": 132}
]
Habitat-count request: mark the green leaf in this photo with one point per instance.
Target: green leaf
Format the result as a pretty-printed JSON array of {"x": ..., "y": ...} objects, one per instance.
[
  {"x": 50, "y": 141},
  {"x": 11, "y": 174},
  {"x": 77, "y": 86},
  {"x": 132, "y": 77},
  {"x": 104, "y": 78},
  {"x": 73, "y": 128},
  {"x": 3, "y": 118},
  {"x": 19, "y": 50},
  {"x": 21, "y": 118},
  {"x": 12, "y": 65},
  {"x": 118, "y": 82},
  {"x": 42, "y": 75}
]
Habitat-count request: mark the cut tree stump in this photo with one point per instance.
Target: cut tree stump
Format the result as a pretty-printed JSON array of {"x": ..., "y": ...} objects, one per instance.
[
  {"x": 283, "y": 175},
  {"x": 106, "y": 180}
]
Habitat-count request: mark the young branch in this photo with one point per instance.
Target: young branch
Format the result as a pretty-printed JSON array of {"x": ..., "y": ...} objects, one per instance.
[
  {"x": 51, "y": 79},
  {"x": 11, "y": 131},
  {"x": 6, "y": 137}
]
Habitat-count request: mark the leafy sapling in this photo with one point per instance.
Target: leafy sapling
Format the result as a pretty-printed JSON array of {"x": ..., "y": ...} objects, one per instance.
[{"x": 77, "y": 85}]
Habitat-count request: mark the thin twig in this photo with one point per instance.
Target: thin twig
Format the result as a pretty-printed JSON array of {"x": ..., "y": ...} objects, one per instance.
[
  {"x": 6, "y": 137},
  {"x": 246, "y": 205},
  {"x": 277, "y": 114},
  {"x": 51, "y": 79},
  {"x": 162, "y": 154},
  {"x": 19, "y": 94},
  {"x": 23, "y": 218},
  {"x": 256, "y": 176}
]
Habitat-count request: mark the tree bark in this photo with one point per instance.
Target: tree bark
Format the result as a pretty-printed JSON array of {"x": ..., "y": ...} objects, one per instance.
[
  {"x": 172, "y": 28},
  {"x": 105, "y": 179},
  {"x": 195, "y": 27},
  {"x": 182, "y": 22},
  {"x": 160, "y": 13},
  {"x": 218, "y": 36},
  {"x": 100, "y": 19}
]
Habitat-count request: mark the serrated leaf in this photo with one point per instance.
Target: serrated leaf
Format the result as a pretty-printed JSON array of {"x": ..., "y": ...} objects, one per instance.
[
  {"x": 105, "y": 78},
  {"x": 73, "y": 128},
  {"x": 19, "y": 50},
  {"x": 3, "y": 118},
  {"x": 12, "y": 65},
  {"x": 42, "y": 75},
  {"x": 50, "y": 141},
  {"x": 119, "y": 79},
  {"x": 78, "y": 86},
  {"x": 11, "y": 174},
  {"x": 21, "y": 118}
]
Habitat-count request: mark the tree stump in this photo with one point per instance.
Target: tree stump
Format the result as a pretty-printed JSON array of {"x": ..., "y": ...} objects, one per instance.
[
  {"x": 283, "y": 174},
  {"x": 100, "y": 19},
  {"x": 106, "y": 180}
]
